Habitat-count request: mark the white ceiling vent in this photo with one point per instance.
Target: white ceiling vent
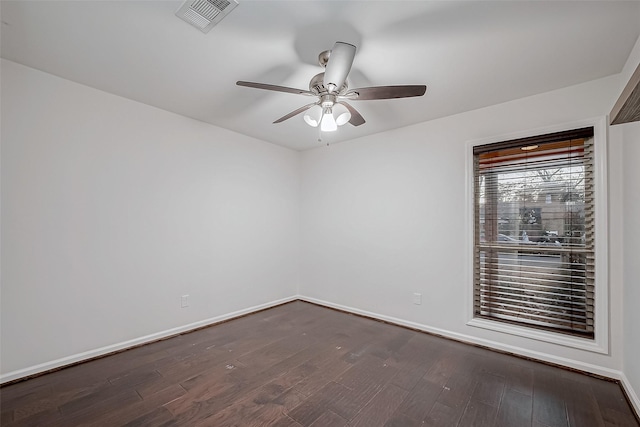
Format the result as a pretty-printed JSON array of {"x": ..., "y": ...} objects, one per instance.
[{"x": 205, "y": 14}]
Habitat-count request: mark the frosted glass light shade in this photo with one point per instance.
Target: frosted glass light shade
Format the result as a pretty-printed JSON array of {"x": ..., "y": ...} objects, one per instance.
[
  {"x": 328, "y": 123},
  {"x": 341, "y": 114},
  {"x": 313, "y": 116}
]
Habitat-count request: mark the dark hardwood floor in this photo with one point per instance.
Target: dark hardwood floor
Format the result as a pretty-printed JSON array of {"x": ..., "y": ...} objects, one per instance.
[{"x": 303, "y": 365}]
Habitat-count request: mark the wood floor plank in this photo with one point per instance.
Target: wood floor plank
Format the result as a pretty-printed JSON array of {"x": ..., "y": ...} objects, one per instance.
[
  {"x": 329, "y": 419},
  {"x": 613, "y": 418},
  {"x": 155, "y": 385},
  {"x": 330, "y": 364},
  {"x": 401, "y": 420},
  {"x": 107, "y": 396},
  {"x": 298, "y": 365},
  {"x": 413, "y": 360},
  {"x": 270, "y": 413},
  {"x": 25, "y": 392},
  {"x": 443, "y": 416},
  {"x": 453, "y": 400},
  {"x": 457, "y": 391},
  {"x": 582, "y": 407},
  {"x": 364, "y": 381},
  {"x": 420, "y": 400},
  {"x": 381, "y": 407},
  {"x": 133, "y": 378},
  {"x": 519, "y": 378},
  {"x": 218, "y": 376},
  {"x": 478, "y": 414},
  {"x": 447, "y": 364},
  {"x": 549, "y": 407},
  {"x": 33, "y": 407},
  {"x": 87, "y": 409},
  {"x": 496, "y": 365},
  {"x": 49, "y": 418},
  {"x": 6, "y": 416},
  {"x": 276, "y": 411},
  {"x": 489, "y": 389},
  {"x": 613, "y": 405},
  {"x": 158, "y": 417},
  {"x": 152, "y": 404},
  {"x": 313, "y": 407},
  {"x": 409, "y": 375},
  {"x": 284, "y": 421},
  {"x": 205, "y": 403},
  {"x": 359, "y": 341},
  {"x": 288, "y": 400},
  {"x": 246, "y": 407},
  {"x": 516, "y": 409}
]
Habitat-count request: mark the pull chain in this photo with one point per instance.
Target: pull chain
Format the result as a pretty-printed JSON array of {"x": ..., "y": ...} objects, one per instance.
[{"x": 320, "y": 136}]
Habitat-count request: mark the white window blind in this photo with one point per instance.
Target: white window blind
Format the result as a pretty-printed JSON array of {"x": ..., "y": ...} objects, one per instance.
[{"x": 534, "y": 232}]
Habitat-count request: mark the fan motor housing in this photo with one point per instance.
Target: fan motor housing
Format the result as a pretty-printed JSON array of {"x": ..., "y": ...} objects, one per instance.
[
  {"x": 327, "y": 100},
  {"x": 316, "y": 85}
]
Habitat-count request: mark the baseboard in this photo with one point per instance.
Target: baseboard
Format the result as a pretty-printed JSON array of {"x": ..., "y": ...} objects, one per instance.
[
  {"x": 114, "y": 348},
  {"x": 632, "y": 396},
  {"x": 543, "y": 357}
]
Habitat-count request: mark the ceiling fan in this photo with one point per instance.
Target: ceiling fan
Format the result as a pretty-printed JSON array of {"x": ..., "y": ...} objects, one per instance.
[{"x": 330, "y": 87}]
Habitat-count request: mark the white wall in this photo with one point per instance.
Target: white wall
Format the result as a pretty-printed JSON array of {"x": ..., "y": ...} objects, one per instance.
[
  {"x": 111, "y": 210},
  {"x": 384, "y": 217},
  {"x": 631, "y": 341},
  {"x": 627, "y": 136}
]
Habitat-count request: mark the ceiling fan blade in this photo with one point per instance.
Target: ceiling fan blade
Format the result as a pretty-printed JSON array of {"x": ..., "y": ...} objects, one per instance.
[
  {"x": 339, "y": 65},
  {"x": 295, "y": 112},
  {"x": 356, "y": 118},
  {"x": 275, "y": 88},
  {"x": 386, "y": 92}
]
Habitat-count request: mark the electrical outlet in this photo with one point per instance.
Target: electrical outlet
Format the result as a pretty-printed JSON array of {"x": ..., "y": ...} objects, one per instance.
[
  {"x": 417, "y": 298},
  {"x": 184, "y": 301}
]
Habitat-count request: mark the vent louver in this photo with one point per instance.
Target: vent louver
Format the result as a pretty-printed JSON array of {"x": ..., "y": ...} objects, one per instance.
[{"x": 205, "y": 14}]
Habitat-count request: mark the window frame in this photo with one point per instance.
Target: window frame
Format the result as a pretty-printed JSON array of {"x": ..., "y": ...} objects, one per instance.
[{"x": 600, "y": 342}]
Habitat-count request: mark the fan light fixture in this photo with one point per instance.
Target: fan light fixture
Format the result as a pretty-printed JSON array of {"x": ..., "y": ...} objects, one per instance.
[
  {"x": 331, "y": 109},
  {"x": 313, "y": 116},
  {"x": 342, "y": 114},
  {"x": 328, "y": 123},
  {"x": 328, "y": 118}
]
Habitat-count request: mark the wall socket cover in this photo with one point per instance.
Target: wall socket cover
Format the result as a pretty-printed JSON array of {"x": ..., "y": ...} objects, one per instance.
[{"x": 184, "y": 301}]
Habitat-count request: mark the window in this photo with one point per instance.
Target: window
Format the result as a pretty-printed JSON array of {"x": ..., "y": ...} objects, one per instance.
[{"x": 534, "y": 232}]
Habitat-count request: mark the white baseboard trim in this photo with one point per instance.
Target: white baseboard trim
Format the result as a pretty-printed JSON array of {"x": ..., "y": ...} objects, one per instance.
[
  {"x": 570, "y": 363},
  {"x": 80, "y": 357},
  {"x": 631, "y": 393}
]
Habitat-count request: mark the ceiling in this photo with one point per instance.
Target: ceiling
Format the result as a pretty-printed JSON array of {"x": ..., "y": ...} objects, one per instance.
[{"x": 469, "y": 54}]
